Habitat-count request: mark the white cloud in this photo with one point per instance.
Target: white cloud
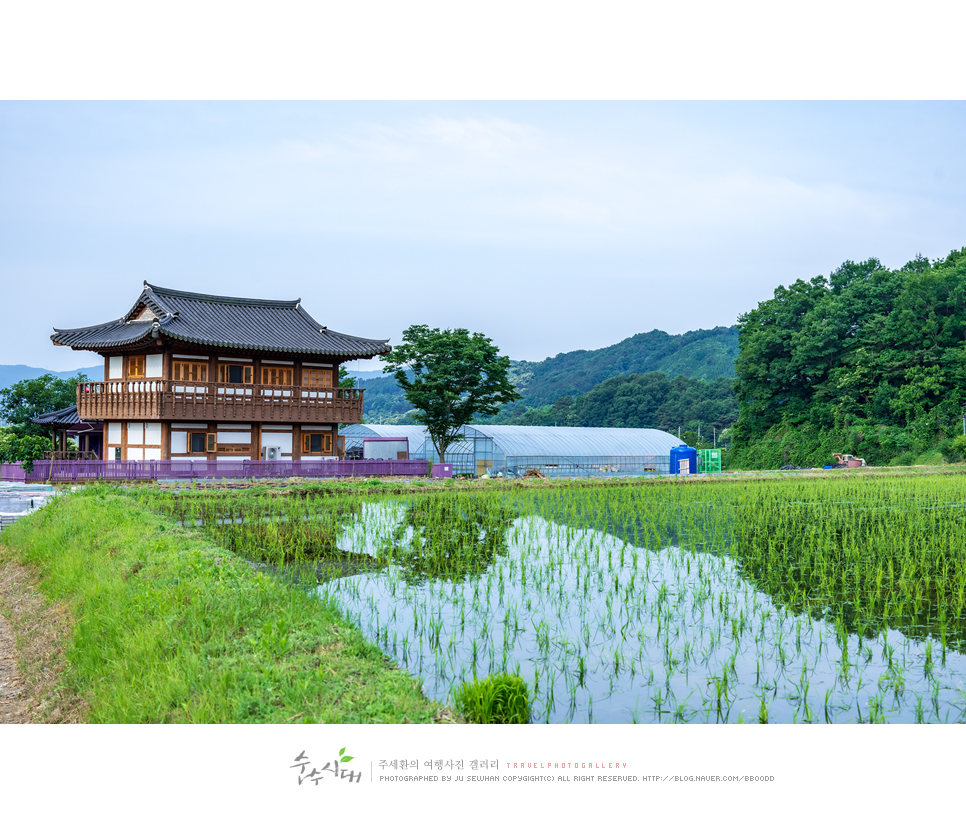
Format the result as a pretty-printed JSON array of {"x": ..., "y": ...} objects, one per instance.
[{"x": 494, "y": 137}]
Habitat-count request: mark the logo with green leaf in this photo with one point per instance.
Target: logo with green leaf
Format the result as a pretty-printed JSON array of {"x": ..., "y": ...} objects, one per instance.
[{"x": 343, "y": 758}]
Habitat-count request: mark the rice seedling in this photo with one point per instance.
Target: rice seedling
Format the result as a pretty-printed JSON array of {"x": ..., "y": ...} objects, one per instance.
[{"x": 787, "y": 588}]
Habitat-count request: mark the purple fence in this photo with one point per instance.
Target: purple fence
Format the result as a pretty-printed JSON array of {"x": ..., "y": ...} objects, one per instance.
[
  {"x": 12, "y": 472},
  {"x": 196, "y": 469}
]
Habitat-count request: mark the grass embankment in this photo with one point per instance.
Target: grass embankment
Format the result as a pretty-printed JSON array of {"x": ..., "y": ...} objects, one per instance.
[{"x": 169, "y": 628}]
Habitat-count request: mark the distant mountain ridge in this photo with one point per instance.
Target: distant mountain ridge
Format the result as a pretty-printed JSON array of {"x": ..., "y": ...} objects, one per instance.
[
  {"x": 10, "y": 375},
  {"x": 703, "y": 354}
]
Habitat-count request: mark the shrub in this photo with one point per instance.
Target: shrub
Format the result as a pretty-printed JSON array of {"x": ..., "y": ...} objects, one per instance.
[
  {"x": 499, "y": 698},
  {"x": 953, "y": 449}
]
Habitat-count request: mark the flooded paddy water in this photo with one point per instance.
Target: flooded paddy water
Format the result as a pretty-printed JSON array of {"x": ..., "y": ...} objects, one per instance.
[{"x": 835, "y": 601}]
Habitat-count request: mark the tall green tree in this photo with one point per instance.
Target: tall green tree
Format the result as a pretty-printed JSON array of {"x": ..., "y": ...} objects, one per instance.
[
  {"x": 870, "y": 361},
  {"x": 450, "y": 378},
  {"x": 21, "y": 402},
  {"x": 346, "y": 381}
]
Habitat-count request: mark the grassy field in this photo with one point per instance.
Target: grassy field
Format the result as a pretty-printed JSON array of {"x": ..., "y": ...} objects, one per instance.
[
  {"x": 169, "y": 628},
  {"x": 834, "y": 596}
]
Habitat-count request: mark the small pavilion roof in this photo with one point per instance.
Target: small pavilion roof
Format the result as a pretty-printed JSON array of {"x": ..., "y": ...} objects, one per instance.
[
  {"x": 60, "y": 417},
  {"x": 68, "y": 419}
]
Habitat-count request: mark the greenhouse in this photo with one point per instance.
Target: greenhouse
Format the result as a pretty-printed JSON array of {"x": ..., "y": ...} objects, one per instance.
[{"x": 513, "y": 451}]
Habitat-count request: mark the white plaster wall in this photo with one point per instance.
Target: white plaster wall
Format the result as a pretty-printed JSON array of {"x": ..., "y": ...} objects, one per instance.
[
  {"x": 179, "y": 441},
  {"x": 152, "y": 433},
  {"x": 234, "y": 437},
  {"x": 153, "y": 365},
  {"x": 135, "y": 433},
  {"x": 152, "y": 453},
  {"x": 114, "y": 433},
  {"x": 275, "y": 439},
  {"x": 135, "y": 454},
  {"x": 116, "y": 368}
]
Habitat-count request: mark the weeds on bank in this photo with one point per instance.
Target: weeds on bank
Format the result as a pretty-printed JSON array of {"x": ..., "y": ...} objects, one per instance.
[{"x": 171, "y": 629}]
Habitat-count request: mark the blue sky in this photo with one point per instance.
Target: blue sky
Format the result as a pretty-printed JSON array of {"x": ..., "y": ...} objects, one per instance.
[{"x": 548, "y": 226}]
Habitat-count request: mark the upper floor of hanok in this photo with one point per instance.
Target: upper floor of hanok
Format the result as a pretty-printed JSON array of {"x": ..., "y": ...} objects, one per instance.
[{"x": 180, "y": 355}]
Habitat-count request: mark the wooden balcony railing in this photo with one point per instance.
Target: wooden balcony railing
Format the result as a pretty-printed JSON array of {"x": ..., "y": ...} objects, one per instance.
[{"x": 146, "y": 400}]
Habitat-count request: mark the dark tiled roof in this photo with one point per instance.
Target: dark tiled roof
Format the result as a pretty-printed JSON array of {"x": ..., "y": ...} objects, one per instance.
[
  {"x": 60, "y": 418},
  {"x": 68, "y": 418},
  {"x": 225, "y": 322}
]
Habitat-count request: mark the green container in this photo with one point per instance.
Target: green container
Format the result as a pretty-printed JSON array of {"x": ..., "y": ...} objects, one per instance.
[{"x": 709, "y": 461}]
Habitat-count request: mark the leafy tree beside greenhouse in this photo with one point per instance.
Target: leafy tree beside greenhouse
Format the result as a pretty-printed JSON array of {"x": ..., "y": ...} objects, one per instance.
[{"x": 450, "y": 378}]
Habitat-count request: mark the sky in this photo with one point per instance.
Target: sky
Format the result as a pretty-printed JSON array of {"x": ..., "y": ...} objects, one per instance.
[{"x": 549, "y": 226}]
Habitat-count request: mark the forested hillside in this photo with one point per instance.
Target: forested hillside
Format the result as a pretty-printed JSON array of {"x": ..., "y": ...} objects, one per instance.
[
  {"x": 649, "y": 400},
  {"x": 559, "y": 382},
  {"x": 868, "y": 361},
  {"x": 705, "y": 353}
]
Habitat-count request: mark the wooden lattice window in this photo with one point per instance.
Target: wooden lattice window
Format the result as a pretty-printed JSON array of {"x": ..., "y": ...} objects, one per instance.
[
  {"x": 276, "y": 376},
  {"x": 135, "y": 366},
  {"x": 202, "y": 442},
  {"x": 234, "y": 373},
  {"x": 317, "y": 377},
  {"x": 316, "y": 442},
  {"x": 185, "y": 370}
]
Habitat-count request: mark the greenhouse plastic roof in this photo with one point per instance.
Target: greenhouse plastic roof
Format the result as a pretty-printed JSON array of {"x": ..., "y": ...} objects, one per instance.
[
  {"x": 577, "y": 441},
  {"x": 541, "y": 441},
  {"x": 416, "y": 434}
]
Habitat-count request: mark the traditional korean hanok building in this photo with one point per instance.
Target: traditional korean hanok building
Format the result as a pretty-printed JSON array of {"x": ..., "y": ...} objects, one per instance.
[{"x": 204, "y": 377}]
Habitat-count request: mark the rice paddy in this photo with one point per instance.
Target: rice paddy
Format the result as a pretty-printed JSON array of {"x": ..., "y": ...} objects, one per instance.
[{"x": 797, "y": 600}]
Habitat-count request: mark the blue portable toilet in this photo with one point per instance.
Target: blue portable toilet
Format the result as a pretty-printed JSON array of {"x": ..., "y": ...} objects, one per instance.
[{"x": 684, "y": 460}]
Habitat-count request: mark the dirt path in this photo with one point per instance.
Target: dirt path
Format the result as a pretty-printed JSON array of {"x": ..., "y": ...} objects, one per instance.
[
  {"x": 30, "y": 688},
  {"x": 13, "y": 695}
]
